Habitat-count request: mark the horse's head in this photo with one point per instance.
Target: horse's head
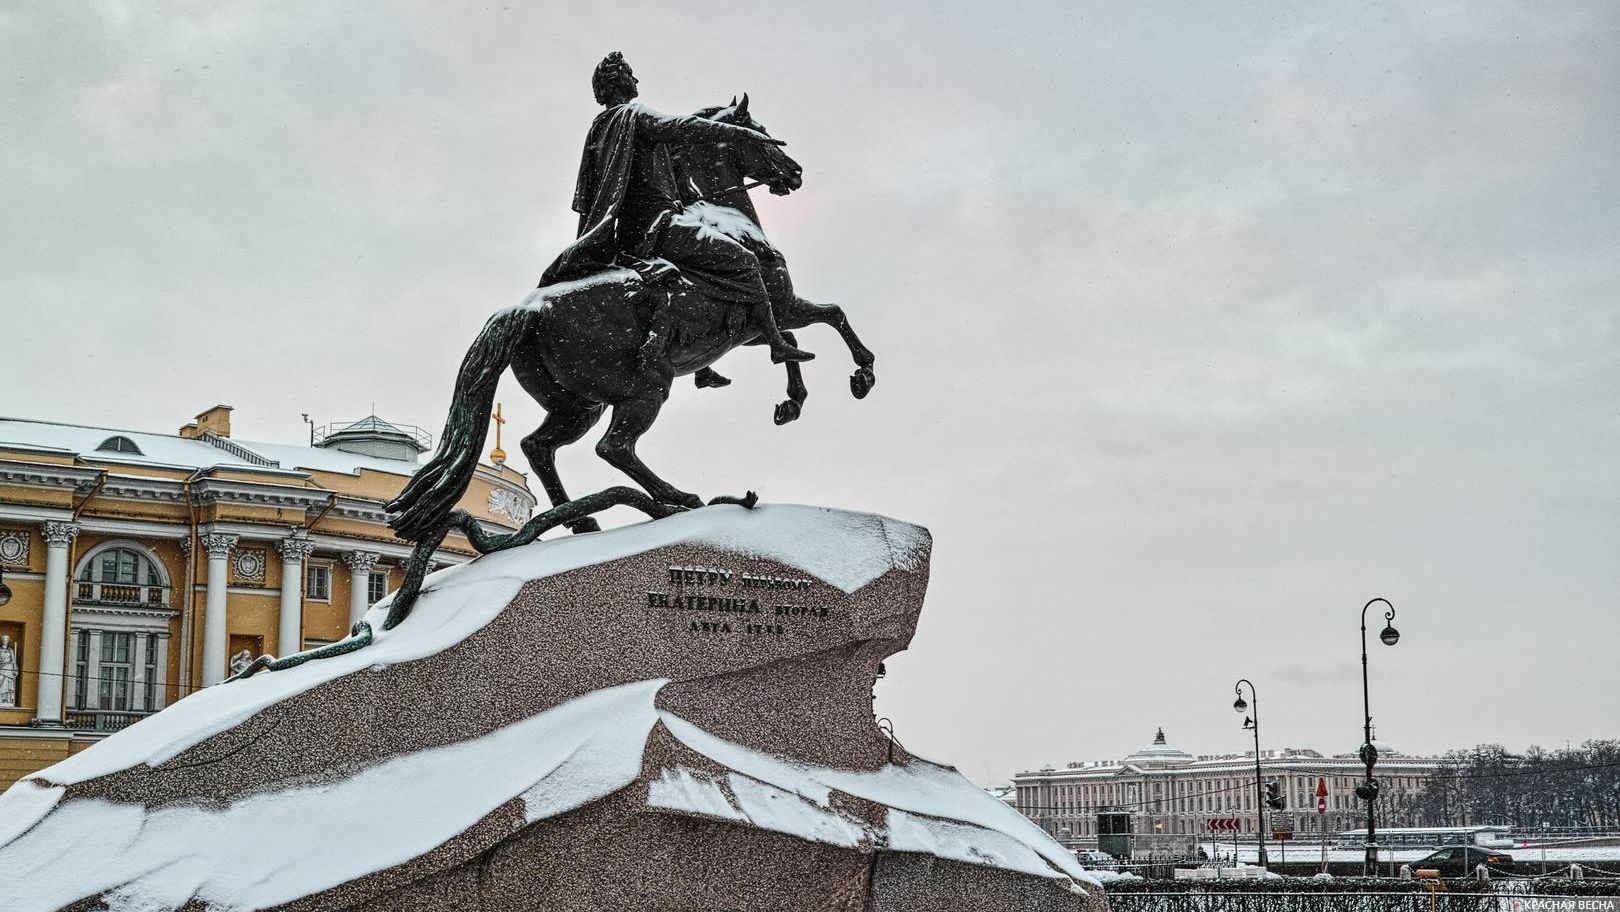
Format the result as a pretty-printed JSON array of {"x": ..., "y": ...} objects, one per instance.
[{"x": 756, "y": 160}]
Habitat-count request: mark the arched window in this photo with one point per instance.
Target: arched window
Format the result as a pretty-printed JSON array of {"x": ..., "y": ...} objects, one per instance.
[
  {"x": 121, "y": 574},
  {"x": 119, "y": 565},
  {"x": 119, "y": 444}
]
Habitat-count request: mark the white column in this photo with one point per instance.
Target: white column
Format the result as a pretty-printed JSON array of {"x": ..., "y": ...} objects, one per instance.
[
  {"x": 291, "y": 636},
  {"x": 215, "y": 642},
  {"x": 160, "y": 693},
  {"x": 360, "y": 564},
  {"x": 53, "y": 630}
]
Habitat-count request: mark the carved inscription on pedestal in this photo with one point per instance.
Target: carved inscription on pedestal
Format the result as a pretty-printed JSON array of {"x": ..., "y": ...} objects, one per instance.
[{"x": 719, "y": 601}]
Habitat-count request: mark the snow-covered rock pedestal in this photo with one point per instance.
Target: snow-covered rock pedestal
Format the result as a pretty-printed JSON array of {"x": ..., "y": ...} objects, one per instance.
[{"x": 676, "y": 715}]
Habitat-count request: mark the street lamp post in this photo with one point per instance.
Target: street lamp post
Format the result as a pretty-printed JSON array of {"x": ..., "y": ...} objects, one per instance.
[
  {"x": 1259, "y": 790},
  {"x": 1368, "y": 790}
]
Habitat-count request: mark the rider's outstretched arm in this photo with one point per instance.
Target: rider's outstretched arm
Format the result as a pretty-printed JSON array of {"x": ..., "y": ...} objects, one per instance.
[{"x": 689, "y": 128}]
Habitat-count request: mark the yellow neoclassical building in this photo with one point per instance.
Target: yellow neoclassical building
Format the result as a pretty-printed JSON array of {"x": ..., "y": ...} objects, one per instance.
[{"x": 145, "y": 566}]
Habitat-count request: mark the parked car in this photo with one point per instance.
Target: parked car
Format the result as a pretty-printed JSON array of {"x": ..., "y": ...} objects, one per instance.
[
  {"x": 1095, "y": 860},
  {"x": 1460, "y": 861}
]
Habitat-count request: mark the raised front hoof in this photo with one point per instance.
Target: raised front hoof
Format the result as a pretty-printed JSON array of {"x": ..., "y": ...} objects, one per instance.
[
  {"x": 747, "y": 500},
  {"x": 861, "y": 382},
  {"x": 786, "y": 411},
  {"x": 708, "y": 379},
  {"x": 581, "y": 526}
]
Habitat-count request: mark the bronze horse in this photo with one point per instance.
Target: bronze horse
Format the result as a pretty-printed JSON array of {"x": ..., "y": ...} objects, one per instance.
[{"x": 578, "y": 349}]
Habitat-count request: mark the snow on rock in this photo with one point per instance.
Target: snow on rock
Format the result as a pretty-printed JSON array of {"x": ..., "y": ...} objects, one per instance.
[
  {"x": 692, "y": 792},
  {"x": 24, "y": 805},
  {"x": 964, "y": 842},
  {"x": 274, "y": 847},
  {"x": 920, "y": 788}
]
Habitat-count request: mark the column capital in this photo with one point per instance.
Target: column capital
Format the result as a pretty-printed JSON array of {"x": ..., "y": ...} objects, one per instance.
[
  {"x": 294, "y": 549},
  {"x": 361, "y": 561},
  {"x": 58, "y": 534},
  {"x": 219, "y": 545}
]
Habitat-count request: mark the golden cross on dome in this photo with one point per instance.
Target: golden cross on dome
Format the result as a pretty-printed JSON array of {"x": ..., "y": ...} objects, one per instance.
[{"x": 498, "y": 455}]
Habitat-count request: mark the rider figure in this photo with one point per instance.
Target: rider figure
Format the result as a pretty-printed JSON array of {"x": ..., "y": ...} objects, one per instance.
[{"x": 626, "y": 197}]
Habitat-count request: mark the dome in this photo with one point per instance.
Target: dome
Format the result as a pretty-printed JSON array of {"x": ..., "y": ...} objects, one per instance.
[
  {"x": 1159, "y": 752},
  {"x": 372, "y": 436},
  {"x": 1385, "y": 749}
]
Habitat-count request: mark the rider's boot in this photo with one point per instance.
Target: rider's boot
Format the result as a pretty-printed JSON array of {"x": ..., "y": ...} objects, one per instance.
[
  {"x": 765, "y": 317},
  {"x": 708, "y": 378}
]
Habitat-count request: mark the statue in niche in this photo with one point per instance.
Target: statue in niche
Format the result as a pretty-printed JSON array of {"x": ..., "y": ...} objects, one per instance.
[
  {"x": 241, "y": 661},
  {"x": 8, "y": 672}
]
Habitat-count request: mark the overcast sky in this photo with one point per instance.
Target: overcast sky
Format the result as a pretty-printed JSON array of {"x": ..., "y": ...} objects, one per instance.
[{"x": 1198, "y": 325}]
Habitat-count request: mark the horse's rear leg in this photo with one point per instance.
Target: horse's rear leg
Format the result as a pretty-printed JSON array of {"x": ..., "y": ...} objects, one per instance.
[
  {"x": 560, "y": 429},
  {"x": 631, "y": 419}
]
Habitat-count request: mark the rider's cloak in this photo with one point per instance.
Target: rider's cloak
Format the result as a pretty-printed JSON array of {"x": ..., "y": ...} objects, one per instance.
[{"x": 604, "y": 178}]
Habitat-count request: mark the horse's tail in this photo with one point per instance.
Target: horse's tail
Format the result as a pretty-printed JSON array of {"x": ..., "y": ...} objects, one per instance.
[{"x": 424, "y": 506}]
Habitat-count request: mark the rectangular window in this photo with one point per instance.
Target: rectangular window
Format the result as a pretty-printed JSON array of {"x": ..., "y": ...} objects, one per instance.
[
  {"x": 116, "y": 670},
  {"x": 150, "y": 661},
  {"x": 81, "y": 670},
  {"x": 118, "y": 566},
  {"x": 376, "y": 586},
  {"x": 318, "y": 582}
]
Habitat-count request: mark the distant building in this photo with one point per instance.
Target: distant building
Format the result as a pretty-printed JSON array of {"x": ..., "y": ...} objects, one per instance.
[
  {"x": 143, "y": 566},
  {"x": 1172, "y": 795}
]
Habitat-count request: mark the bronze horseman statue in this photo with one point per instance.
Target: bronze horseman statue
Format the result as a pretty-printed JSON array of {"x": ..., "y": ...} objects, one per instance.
[{"x": 670, "y": 271}]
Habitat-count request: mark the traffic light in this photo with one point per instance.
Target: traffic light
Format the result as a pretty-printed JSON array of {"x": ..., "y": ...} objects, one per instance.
[{"x": 1274, "y": 796}]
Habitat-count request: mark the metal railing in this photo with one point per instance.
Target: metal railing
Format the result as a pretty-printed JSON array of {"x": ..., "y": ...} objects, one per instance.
[
  {"x": 236, "y": 449},
  {"x": 103, "y": 720},
  {"x": 128, "y": 594},
  {"x": 1299, "y": 895},
  {"x": 419, "y": 435}
]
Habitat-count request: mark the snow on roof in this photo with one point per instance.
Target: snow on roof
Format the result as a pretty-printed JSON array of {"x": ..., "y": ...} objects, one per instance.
[
  {"x": 326, "y": 459},
  {"x": 156, "y": 449},
  {"x": 1160, "y": 752},
  {"x": 189, "y": 453},
  {"x": 371, "y": 424}
]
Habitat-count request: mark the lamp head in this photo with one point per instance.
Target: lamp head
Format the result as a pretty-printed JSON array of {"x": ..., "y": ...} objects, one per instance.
[
  {"x": 1240, "y": 704},
  {"x": 1390, "y": 636}
]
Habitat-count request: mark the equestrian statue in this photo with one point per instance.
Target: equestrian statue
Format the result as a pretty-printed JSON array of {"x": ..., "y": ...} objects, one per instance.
[{"x": 669, "y": 272}]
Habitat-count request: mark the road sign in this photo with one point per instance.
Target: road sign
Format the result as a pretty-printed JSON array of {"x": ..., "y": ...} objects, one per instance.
[
  {"x": 1321, "y": 807},
  {"x": 1226, "y": 823},
  {"x": 1321, "y": 795},
  {"x": 1282, "y": 835}
]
